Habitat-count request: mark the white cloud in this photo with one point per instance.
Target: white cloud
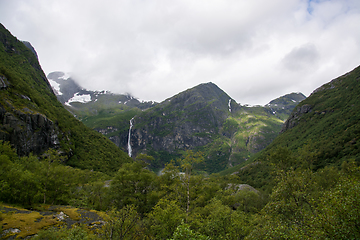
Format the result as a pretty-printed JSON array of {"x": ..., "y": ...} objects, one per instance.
[{"x": 254, "y": 50}]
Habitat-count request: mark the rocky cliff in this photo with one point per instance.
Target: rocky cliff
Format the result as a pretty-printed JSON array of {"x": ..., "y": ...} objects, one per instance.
[
  {"x": 28, "y": 131},
  {"x": 185, "y": 121},
  {"x": 295, "y": 116}
]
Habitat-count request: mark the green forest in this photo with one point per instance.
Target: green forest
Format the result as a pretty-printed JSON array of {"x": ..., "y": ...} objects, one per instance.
[{"x": 182, "y": 204}]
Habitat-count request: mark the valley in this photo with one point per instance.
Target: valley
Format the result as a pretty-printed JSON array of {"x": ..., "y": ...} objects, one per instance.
[{"x": 80, "y": 164}]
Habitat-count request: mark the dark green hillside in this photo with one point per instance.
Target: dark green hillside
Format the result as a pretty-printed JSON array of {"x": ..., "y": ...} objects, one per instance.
[
  {"x": 33, "y": 120},
  {"x": 329, "y": 119},
  {"x": 325, "y": 127}
]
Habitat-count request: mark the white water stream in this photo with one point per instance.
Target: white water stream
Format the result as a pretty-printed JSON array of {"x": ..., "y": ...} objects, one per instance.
[
  {"x": 229, "y": 105},
  {"x": 129, "y": 139}
]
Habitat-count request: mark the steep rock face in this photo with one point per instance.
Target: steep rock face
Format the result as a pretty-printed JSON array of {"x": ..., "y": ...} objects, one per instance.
[
  {"x": 184, "y": 121},
  {"x": 28, "y": 132}
]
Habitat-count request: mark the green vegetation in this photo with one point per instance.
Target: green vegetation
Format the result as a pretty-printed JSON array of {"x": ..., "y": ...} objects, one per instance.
[
  {"x": 182, "y": 204},
  {"x": 332, "y": 125}
]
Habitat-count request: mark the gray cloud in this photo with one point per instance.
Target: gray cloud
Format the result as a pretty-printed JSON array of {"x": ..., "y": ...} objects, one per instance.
[
  {"x": 254, "y": 50},
  {"x": 301, "y": 58}
]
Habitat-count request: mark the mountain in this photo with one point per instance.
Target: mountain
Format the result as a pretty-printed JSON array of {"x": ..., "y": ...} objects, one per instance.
[
  {"x": 86, "y": 103},
  {"x": 329, "y": 119},
  {"x": 202, "y": 118},
  {"x": 283, "y": 106},
  {"x": 325, "y": 127},
  {"x": 33, "y": 120}
]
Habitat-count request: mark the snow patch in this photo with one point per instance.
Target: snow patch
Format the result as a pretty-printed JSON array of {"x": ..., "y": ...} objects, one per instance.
[
  {"x": 293, "y": 100},
  {"x": 79, "y": 98},
  {"x": 55, "y": 86}
]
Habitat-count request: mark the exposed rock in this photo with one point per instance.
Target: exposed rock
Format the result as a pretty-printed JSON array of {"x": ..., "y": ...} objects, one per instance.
[
  {"x": 10, "y": 230},
  {"x": 4, "y": 83},
  {"x": 293, "y": 119},
  {"x": 241, "y": 187},
  {"x": 27, "y": 131},
  {"x": 61, "y": 216}
]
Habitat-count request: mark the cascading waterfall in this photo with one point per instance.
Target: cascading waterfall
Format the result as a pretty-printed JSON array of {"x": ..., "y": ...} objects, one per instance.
[
  {"x": 229, "y": 105},
  {"x": 129, "y": 142}
]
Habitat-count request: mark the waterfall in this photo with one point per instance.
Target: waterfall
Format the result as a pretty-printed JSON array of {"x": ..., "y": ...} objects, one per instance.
[
  {"x": 129, "y": 142},
  {"x": 229, "y": 105}
]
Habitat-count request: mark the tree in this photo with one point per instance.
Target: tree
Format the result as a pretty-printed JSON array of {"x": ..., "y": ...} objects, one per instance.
[
  {"x": 122, "y": 224},
  {"x": 183, "y": 232},
  {"x": 164, "y": 218},
  {"x": 55, "y": 178},
  {"x": 134, "y": 185},
  {"x": 187, "y": 165},
  {"x": 219, "y": 221}
]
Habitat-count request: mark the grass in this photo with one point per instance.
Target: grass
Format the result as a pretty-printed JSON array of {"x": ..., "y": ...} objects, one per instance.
[{"x": 28, "y": 222}]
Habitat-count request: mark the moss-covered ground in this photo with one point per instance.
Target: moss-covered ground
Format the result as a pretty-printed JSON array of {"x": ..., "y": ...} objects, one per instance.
[{"x": 42, "y": 217}]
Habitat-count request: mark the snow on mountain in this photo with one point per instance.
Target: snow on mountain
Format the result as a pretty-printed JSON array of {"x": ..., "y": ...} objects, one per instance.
[
  {"x": 56, "y": 87},
  {"x": 79, "y": 98}
]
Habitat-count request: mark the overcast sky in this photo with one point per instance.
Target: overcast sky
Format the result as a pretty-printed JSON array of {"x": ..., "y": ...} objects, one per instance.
[{"x": 254, "y": 50}]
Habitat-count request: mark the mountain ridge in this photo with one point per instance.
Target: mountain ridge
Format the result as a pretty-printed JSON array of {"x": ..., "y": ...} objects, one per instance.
[
  {"x": 203, "y": 118},
  {"x": 324, "y": 127}
]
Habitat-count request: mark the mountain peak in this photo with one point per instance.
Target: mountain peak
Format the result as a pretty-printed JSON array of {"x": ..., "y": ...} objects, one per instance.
[
  {"x": 204, "y": 92},
  {"x": 283, "y": 106}
]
